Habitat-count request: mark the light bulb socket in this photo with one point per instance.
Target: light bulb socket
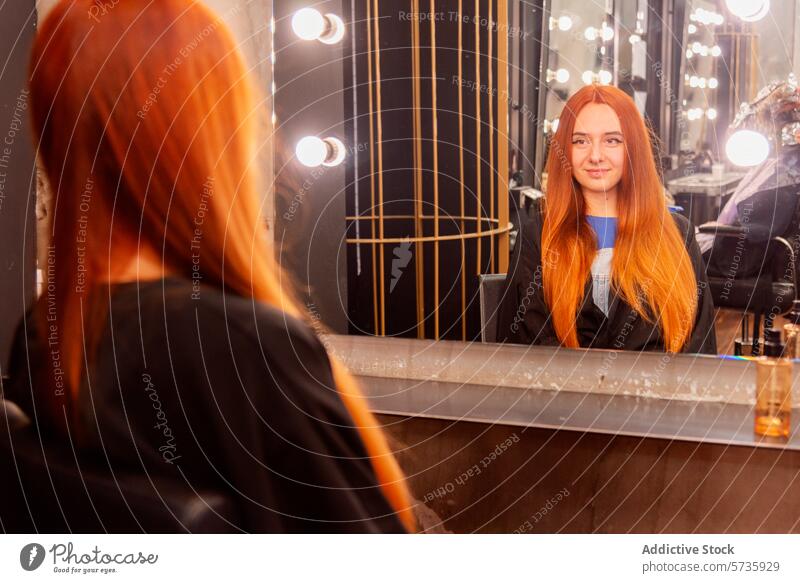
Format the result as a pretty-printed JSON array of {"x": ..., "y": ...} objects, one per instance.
[{"x": 334, "y": 30}]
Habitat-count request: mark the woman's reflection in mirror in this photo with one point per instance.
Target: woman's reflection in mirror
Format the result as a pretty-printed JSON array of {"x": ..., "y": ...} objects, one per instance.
[{"x": 602, "y": 262}]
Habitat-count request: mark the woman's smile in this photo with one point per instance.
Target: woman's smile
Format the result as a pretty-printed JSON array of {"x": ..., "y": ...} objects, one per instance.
[{"x": 597, "y": 172}]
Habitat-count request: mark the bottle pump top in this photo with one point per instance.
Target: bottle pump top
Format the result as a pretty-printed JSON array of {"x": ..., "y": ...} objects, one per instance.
[{"x": 773, "y": 346}]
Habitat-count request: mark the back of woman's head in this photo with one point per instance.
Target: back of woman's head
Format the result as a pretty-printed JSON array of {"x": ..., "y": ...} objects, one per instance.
[
  {"x": 651, "y": 267},
  {"x": 147, "y": 119},
  {"x": 147, "y": 125}
]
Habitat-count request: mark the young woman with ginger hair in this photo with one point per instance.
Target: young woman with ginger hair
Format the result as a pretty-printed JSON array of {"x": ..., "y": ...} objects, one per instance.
[
  {"x": 603, "y": 263},
  {"x": 161, "y": 288}
]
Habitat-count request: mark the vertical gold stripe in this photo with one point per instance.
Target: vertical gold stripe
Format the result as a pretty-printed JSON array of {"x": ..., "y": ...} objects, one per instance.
[
  {"x": 372, "y": 172},
  {"x": 380, "y": 165},
  {"x": 435, "y": 173},
  {"x": 419, "y": 259},
  {"x": 502, "y": 137},
  {"x": 478, "y": 129},
  {"x": 461, "y": 170},
  {"x": 490, "y": 98}
]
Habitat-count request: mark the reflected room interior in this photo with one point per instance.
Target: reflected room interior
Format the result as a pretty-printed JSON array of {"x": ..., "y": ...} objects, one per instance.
[{"x": 437, "y": 131}]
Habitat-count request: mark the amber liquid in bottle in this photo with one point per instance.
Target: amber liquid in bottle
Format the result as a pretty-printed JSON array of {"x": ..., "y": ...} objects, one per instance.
[{"x": 773, "y": 396}]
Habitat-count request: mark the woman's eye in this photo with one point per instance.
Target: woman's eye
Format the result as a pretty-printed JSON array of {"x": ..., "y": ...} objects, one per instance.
[
  {"x": 614, "y": 141},
  {"x": 579, "y": 141}
]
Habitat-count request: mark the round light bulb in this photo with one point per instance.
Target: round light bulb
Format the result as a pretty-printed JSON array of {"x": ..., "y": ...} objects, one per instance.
[
  {"x": 605, "y": 77},
  {"x": 747, "y": 148},
  {"x": 634, "y": 38},
  {"x": 694, "y": 81},
  {"x": 711, "y": 113},
  {"x": 590, "y": 33},
  {"x": 308, "y": 24},
  {"x": 607, "y": 32},
  {"x": 562, "y": 75},
  {"x": 692, "y": 29},
  {"x": 748, "y": 10},
  {"x": 564, "y": 23},
  {"x": 716, "y": 51},
  {"x": 587, "y": 77},
  {"x": 311, "y": 151},
  {"x": 702, "y": 82},
  {"x": 713, "y": 83},
  {"x": 689, "y": 53}
]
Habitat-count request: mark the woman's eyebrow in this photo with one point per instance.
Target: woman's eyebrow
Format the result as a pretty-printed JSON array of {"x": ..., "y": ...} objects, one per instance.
[{"x": 614, "y": 133}]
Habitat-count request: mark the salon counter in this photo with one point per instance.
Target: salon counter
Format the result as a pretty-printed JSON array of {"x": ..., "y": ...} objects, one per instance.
[{"x": 633, "y": 442}]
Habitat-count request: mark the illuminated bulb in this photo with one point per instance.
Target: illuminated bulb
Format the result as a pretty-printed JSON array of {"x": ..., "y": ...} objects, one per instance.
[
  {"x": 694, "y": 81},
  {"x": 702, "y": 82},
  {"x": 590, "y": 33},
  {"x": 312, "y": 151},
  {"x": 309, "y": 24},
  {"x": 587, "y": 77},
  {"x": 713, "y": 83},
  {"x": 716, "y": 51},
  {"x": 635, "y": 38},
  {"x": 607, "y": 32},
  {"x": 704, "y": 51},
  {"x": 747, "y": 148},
  {"x": 692, "y": 29},
  {"x": 696, "y": 47},
  {"x": 564, "y": 23},
  {"x": 689, "y": 53},
  {"x": 561, "y": 76},
  {"x": 605, "y": 77},
  {"x": 711, "y": 113},
  {"x": 748, "y": 10}
]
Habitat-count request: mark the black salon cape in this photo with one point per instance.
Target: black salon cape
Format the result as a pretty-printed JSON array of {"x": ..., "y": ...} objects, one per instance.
[
  {"x": 524, "y": 318},
  {"x": 242, "y": 394}
]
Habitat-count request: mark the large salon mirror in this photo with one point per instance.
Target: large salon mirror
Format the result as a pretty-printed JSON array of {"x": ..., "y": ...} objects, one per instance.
[
  {"x": 426, "y": 152},
  {"x": 427, "y": 111}
]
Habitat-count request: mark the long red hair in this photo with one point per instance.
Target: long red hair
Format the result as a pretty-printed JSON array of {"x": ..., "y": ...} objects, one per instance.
[
  {"x": 651, "y": 268},
  {"x": 140, "y": 108}
]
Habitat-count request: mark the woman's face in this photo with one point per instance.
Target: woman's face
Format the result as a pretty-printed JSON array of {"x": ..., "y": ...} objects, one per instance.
[{"x": 598, "y": 150}]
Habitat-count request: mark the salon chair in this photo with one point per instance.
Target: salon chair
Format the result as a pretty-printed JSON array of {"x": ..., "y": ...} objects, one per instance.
[
  {"x": 51, "y": 488},
  {"x": 490, "y": 289},
  {"x": 763, "y": 279}
]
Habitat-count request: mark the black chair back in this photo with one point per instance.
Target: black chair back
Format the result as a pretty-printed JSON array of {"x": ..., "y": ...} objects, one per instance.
[{"x": 490, "y": 288}]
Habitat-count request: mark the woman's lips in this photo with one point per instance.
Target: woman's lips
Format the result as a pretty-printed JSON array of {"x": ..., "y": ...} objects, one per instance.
[{"x": 597, "y": 173}]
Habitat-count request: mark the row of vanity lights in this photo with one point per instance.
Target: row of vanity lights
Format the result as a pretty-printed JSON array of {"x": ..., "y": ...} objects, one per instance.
[{"x": 311, "y": 25}]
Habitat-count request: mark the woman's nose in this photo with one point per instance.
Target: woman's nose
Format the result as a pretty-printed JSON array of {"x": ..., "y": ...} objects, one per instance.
[{"x": 595, "y": 155}]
